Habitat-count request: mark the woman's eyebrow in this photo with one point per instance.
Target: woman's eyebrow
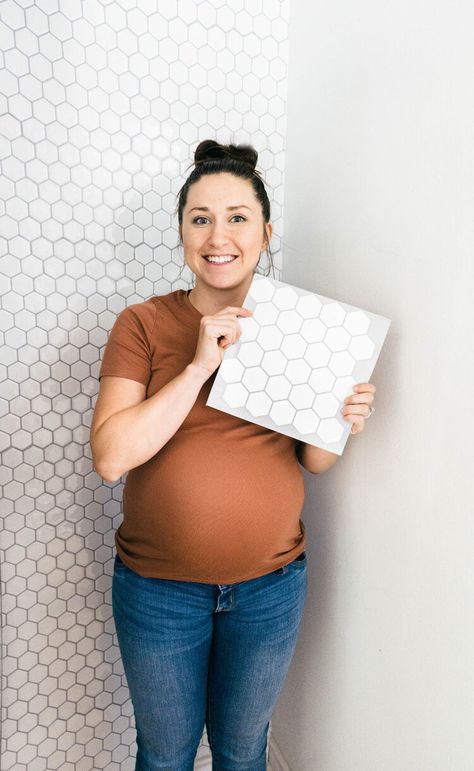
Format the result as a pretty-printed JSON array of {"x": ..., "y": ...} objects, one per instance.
[{"x": 229, "y": 208}]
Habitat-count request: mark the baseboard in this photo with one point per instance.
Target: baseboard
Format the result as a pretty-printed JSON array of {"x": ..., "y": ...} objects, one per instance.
[
  {"x": 203, "y": 761},
  {"x": 276, "y": 761}
]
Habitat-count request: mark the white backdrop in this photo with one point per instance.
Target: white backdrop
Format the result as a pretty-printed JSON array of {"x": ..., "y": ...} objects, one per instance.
[
  {"x": 102, "y": 106},
  {"x": 379, "y": 202}
]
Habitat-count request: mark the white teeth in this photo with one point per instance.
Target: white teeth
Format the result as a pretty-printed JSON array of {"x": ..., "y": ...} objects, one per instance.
[{"x": 220, "y": 258}]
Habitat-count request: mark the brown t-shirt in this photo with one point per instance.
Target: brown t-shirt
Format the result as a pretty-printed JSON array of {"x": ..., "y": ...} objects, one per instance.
[{"x": 220, "y": 502}]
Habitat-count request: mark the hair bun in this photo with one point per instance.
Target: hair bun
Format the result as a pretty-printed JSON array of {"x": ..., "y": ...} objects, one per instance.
[{"x": 210, "y": 150}]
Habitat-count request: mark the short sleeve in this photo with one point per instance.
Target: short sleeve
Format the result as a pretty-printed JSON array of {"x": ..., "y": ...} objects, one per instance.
[{"x": 128, "y": 351}]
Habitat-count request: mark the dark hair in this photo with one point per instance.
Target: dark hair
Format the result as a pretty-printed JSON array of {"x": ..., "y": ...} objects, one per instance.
[{"x": 210, "y": 157}]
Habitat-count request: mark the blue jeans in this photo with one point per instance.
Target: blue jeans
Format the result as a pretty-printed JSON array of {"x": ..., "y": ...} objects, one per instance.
[{"x": 214, "y": 655}]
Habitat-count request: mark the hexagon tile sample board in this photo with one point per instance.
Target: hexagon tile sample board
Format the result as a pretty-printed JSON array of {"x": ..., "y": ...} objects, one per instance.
[{"x": 297, "y": 359}]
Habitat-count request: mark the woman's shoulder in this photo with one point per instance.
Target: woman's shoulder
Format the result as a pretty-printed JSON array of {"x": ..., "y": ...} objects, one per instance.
[
  {"x": 142, "y": 316},
  {"x": 143, "y": 312},
  {"x": 146, "y": 310},
  {"x": 153, "y": 303}
]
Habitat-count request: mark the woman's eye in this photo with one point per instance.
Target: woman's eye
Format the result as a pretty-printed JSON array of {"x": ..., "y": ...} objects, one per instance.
[{"x": 197, "y": 221}]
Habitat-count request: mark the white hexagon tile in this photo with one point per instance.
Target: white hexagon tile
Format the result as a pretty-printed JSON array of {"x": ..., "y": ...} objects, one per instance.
[
  {"x": 102, "y": 104},
  {"x": 297, "y": 359}
]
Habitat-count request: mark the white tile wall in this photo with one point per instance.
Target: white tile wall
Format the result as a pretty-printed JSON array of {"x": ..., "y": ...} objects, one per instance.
[{"x": 101, "y": 107}]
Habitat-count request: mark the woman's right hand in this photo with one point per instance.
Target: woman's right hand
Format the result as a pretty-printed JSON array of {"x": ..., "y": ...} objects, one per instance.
[{"x": 216, "y": 333}]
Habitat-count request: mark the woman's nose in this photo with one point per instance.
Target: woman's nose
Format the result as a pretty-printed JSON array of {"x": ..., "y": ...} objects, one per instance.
[{"x": 218, "y": 234}]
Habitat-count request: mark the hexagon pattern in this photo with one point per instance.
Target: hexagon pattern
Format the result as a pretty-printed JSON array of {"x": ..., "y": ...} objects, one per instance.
[
  {"x": 101, "y": 107},
  {"x": 297, "y": 359}
]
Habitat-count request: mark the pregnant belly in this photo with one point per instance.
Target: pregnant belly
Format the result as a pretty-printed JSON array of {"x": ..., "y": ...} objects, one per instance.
[{"x": 211, "y": 511}]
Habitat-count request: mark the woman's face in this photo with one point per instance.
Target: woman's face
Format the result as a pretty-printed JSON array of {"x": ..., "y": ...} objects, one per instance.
[{"x": 223, "y": 218}]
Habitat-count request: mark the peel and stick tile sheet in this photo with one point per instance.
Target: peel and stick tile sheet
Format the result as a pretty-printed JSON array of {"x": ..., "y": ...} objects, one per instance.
[{"x": 297, "y": 359}]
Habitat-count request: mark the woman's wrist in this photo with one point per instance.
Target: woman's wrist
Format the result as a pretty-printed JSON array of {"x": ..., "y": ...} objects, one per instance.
[{"x": 197, "y": 373}]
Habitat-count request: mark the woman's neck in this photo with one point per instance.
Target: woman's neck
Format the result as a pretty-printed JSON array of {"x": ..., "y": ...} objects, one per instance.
[{"x": 210, "y": 303}]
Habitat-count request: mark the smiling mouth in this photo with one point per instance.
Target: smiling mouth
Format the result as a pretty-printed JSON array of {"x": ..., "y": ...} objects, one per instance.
[{"x": 220, "y": 259}]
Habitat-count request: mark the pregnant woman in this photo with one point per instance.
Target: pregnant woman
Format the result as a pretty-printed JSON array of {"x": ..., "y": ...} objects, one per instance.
[{"x": 210, "y": 575}]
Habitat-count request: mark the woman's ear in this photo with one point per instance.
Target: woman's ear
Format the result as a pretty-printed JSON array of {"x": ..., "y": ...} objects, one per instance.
[{"x": 268, "y": 230}]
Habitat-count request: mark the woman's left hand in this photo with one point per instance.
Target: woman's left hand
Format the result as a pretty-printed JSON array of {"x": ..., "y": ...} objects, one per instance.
[{"x": 356, "y": 407}]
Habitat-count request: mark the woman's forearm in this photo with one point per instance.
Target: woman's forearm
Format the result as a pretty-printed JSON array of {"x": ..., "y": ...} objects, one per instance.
[{"x": 133, "y": 435}]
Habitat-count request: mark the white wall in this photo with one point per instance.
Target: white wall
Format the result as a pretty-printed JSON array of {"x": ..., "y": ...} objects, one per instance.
[{"x": 379, "y": 210}]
